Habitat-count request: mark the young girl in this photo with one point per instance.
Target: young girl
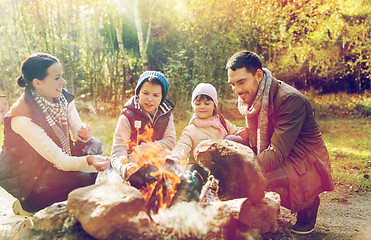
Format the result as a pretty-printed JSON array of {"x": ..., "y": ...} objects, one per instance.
[
  {"x": 148, "y": 107},
  {"x": 39, "y": 162},
  {"x": 206, "y": 123}
]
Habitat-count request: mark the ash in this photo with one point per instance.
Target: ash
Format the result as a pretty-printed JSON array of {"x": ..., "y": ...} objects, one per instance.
[{"x": 191, "y": 219}]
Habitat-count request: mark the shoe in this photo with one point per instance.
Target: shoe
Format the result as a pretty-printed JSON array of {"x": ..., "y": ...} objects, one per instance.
[
  {"x": 306, "y": 219},
  {"x": 18, "y": 210}
]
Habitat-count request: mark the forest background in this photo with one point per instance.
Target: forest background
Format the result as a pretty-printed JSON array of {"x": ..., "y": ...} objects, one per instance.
[
  {"x": 104, "y": 45},
  {"x": 321, "y": 47}
]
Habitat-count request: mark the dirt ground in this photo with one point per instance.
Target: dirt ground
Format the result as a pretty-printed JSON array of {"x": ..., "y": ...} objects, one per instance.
[{"x": 343, "y": 215}]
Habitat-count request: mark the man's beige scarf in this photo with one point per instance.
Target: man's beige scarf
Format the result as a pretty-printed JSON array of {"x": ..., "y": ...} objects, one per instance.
[{"x": 257, "y": 114}]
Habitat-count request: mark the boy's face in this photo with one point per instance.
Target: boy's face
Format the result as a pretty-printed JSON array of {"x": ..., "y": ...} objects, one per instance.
[
  {"x": 203, "y": 108},
  {"x": 150, "y": 95}
]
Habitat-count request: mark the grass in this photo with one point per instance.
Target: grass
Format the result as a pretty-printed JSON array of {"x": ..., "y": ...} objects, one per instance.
[
  {"x": 348, "y": 142},
  {"x": 103, "y": 127},
  {"x": 340, "y": 105},
  {"x": 346, "y": 130}
]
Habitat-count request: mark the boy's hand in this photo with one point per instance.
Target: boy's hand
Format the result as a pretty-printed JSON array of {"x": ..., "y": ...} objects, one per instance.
[
  {"x": 85, "y": 132},
  {"x": 128, "y": 169}
]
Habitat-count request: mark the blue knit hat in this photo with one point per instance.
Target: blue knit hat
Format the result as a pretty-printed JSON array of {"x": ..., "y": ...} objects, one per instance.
[{"x": 158, "y": 75}]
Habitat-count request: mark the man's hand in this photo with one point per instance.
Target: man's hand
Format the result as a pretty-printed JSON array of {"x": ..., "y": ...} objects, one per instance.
[
  {"x": 85, "y": 133},
  {"x": 244, "y": 133},
  {"x": 99, "y": 162}
]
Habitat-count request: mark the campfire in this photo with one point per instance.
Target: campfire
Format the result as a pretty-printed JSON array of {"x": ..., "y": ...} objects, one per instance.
[
  {"x": 203, "y": 200},
  {"x": 164, "y": 182}
]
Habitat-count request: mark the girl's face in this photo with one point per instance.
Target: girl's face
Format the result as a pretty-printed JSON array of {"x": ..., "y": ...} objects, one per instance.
[
  {"x": 203, "y": 108},
  {"x": 51, "y": 86},
  {"x": 150, "y": 95}
]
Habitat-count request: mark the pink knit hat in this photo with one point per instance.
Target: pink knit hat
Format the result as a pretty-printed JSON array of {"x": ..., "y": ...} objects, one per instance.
[{"x": 206, "y": 89}]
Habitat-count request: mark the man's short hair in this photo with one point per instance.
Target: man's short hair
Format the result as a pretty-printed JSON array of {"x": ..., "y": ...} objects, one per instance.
[{"x": 245, "y": 59}]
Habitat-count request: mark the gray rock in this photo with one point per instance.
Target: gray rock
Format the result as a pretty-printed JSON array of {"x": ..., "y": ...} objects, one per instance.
[
  {"x": 262, "y": 215},
  {"x": 236, "y": 168},
  {"x": 104, "y": 209},
  {"x": 51, "y": 218},
  {"x": 15, "y": 227}
]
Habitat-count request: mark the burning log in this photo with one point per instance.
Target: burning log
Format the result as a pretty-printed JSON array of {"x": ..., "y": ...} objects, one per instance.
[
  {"x": 191, "y": 184},
  {"x": 158, "y": 184},
  {"x": 143, "y": 177},
  {"x": 157, "y": 196},
  {"x": 189, "y": 188}
]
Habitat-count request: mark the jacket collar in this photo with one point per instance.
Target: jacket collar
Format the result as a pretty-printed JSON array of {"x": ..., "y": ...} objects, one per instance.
[
  {"x": 272, "y": 94},
  {"x": 164, "y": 107}
]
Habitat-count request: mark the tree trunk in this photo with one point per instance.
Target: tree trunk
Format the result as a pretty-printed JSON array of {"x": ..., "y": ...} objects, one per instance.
[
  {"x": 4, "y": 107},
  {"x": 125, "y": 72},
  {"x": 143, "y": 45}
]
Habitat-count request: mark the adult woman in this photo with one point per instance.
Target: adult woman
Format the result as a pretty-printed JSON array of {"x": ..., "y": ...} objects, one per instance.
[{"x": 39, "y": 163}]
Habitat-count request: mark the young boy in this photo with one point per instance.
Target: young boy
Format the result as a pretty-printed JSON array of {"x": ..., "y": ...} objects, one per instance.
[{"x": 148, "y": 107}]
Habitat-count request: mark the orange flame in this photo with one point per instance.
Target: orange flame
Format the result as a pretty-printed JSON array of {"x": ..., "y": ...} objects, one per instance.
[
  {"x": 146, "y": 136},
  {"x": 164, "y": 189},
  {"x": 155, "y": 154}
]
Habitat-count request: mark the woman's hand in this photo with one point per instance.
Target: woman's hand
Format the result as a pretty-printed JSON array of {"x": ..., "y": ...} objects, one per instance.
[
  {"x": 244, "y": 133},
  {"x": 85, "y": 132},
  {"x": 99, "y": 162}
]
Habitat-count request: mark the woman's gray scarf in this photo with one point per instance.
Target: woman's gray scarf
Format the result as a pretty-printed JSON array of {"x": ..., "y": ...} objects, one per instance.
[
  {"x": 56, "y": 115},
  {"x": 257, "y": 114}
]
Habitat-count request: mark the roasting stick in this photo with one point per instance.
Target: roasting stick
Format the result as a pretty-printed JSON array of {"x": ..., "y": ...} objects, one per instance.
[{"x": 137, "y": 125}]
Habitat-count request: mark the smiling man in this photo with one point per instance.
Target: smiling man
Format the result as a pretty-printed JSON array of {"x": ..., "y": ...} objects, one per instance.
[{"x": 284, "y": 136}]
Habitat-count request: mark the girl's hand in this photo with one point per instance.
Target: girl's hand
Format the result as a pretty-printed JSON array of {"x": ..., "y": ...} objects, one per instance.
[
  {"x": 99, "y": 162},
  {"x": 85, "y": 132},
  {"x": 244, "y": 133}
]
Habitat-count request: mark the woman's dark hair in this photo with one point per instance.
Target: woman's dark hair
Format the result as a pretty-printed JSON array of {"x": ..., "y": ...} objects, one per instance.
[
  {"x": 245, "y": 59},
  {"x": 35, "y": 66}
]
